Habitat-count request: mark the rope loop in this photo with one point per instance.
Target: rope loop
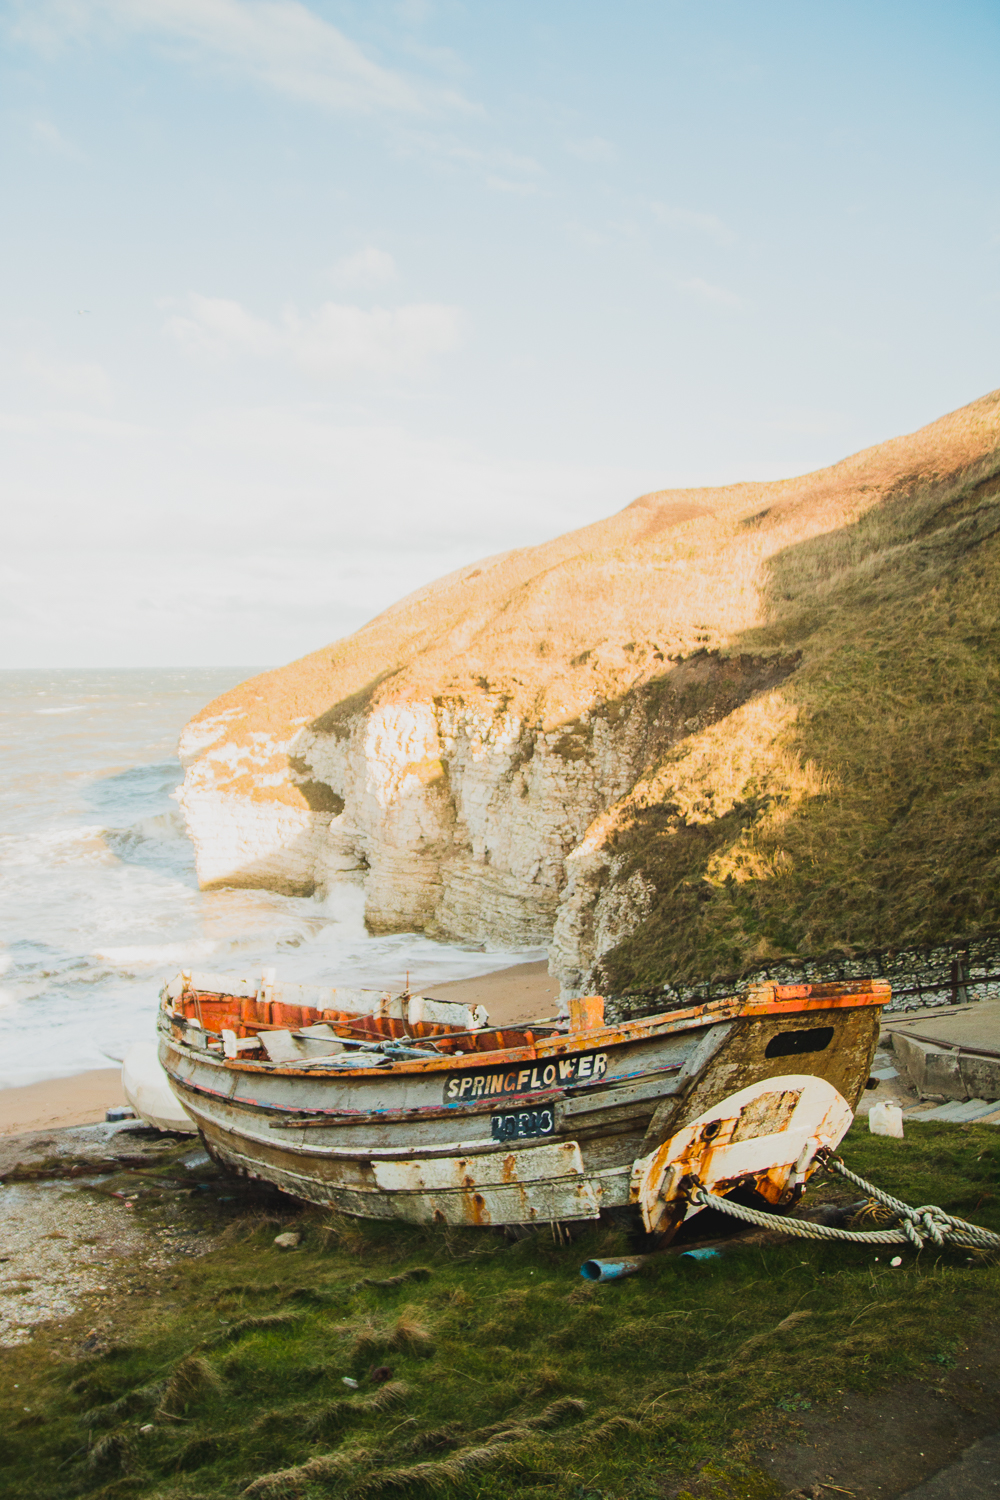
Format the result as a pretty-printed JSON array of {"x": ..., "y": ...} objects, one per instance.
[
  {"x": 936, "y": 1223},
  {"x": 913, "y": 1234}
]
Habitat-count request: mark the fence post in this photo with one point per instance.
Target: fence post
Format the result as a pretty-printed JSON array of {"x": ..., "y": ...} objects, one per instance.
[{"x": 959, "y": 974}]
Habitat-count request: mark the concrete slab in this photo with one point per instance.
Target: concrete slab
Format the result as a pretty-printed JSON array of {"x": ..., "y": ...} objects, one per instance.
[
  {"x": 953, "y": 1052},
  {"x": 957, "y": 1111},
  {"x": 963, "y": 1025}
]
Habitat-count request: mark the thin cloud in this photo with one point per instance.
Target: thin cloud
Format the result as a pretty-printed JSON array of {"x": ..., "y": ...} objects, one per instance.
[
  {"x": 510, "y": 185},
  {"x": 72, "y": 380},
  {"x": 47, "y": 425},
  {"x": 803, "y": 423},
  {"x": 709, "y": 293},
  {"x": 366, "y": 268},
  {"x": 594, "y": 149},
  {"x": 51, "y": 137},
  {"x": 507, "y": 171},
  {"x": 686, "y": 218},
  {"x": 279, "y": 44},
  {"x": 332, "y": 341}
]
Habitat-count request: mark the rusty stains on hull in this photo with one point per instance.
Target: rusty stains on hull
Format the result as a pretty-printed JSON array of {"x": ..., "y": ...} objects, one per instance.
[{"x": 492, "y": 1126}]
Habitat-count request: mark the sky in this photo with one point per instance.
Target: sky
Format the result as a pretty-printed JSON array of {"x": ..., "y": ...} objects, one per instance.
[{"x": 305, "y": 304}]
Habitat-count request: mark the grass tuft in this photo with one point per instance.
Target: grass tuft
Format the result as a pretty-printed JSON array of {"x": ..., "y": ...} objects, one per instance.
[
  {"x": 192, "y": 1382},
  {"x": 334, "y": 1415},
  {"x": 254, "y": 1324},
  {"x": 323, "y": 1468},
  {"x": 554, "y": 1415},
  {"x": 418, "y": 1273},
  {"x": 409, "y": 1335},
  {"x": 144, "y": 1398},
  {"x": 111, "y": 1454},
  {"x": 435, "y": 1475}
]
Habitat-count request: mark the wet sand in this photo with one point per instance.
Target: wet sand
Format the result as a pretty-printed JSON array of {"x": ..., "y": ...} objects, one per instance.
[{"x": 524, "y": 992}]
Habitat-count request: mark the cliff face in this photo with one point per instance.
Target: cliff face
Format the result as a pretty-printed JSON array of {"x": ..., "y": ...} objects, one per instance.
[{"x": 610, "y": 743}]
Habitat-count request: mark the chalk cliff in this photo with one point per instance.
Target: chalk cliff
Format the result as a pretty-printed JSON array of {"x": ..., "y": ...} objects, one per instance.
[{"x": 618, "y": 743}]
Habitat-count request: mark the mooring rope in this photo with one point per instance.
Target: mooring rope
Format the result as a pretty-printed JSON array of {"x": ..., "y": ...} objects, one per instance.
[
  {"x": 932, "y": 1219},
  {"x": 916, "y": 1226}
]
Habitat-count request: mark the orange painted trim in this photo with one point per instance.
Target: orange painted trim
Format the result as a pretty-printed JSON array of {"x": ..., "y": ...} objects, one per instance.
[
  {"x": 835, "y": 1002},
  {"x": 766, "y": 1000}
]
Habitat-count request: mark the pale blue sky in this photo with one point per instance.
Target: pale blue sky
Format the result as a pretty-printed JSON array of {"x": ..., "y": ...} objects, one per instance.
[{"x": 304, "y": 305}]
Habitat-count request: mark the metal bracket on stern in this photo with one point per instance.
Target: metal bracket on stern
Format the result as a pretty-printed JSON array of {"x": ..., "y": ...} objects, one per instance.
[{"x": 765, "y": 1137}]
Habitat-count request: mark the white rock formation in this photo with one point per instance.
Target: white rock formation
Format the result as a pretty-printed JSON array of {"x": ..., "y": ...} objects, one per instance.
[{"x": 456, "y": 819}]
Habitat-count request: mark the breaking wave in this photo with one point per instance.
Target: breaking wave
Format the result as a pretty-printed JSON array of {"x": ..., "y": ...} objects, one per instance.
[{"x": 99, "y": 900}]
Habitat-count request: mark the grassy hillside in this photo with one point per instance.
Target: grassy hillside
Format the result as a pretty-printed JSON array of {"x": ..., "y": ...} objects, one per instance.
[
  {"x": 815, "y": 665},
  {"x": 859, "y": 805}
]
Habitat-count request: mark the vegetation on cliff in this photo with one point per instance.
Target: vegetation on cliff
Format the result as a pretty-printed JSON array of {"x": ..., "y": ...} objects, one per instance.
[{"x": 859, "y": 807}]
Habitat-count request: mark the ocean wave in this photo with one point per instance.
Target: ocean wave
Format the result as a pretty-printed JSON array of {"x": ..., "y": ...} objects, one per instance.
[
  {"x": 157, "y": 953},
  {"x": 140, "y": 791},
  {"x": 76, "y": 708},
  {"x": 54, "y": 846},
  {"x": 99, "y": 902}
]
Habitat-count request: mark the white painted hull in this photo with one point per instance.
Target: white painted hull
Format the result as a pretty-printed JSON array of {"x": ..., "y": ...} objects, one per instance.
[{"x": 549, "y": 1132}]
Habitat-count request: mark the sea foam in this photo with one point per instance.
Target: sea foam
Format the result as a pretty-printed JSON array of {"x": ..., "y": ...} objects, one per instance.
[{"x": 99, "y": 901}]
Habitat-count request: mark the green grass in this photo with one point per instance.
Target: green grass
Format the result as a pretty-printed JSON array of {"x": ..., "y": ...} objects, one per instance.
[
  {"x": 862, "y": 810},
  {"x": 509, "y": 1374}
]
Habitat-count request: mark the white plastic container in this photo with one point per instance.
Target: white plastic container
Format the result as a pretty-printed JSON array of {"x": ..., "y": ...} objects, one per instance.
[{"x": 886, "y": 1119}]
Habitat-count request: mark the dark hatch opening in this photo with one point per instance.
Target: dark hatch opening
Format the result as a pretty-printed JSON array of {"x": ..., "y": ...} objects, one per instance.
[{"x": 791, "y": 1043}]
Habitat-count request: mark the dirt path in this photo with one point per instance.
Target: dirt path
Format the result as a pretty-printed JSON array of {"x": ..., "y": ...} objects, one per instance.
[{"x": 905, "y": 1442}]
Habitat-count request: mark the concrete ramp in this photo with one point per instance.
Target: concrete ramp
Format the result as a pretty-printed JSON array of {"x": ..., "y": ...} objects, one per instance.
[{"x": 954, "y": 1052}]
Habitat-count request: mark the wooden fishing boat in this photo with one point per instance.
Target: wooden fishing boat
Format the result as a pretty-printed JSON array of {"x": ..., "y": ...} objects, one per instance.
[{"x": 400, "y": 1106}]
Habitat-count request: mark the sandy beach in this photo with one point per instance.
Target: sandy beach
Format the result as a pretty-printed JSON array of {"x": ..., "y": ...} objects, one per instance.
[
  {"x": 57, "y": 1102},
  {"x": 524, "y": 992}
]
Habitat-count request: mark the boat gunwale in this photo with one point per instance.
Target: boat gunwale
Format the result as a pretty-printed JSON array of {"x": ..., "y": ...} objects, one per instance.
[
  {"x": 315, "y": 1118},
  {"x": 758, "y": 1003}
]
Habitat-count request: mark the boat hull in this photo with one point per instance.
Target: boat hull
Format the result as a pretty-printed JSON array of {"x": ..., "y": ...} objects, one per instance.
[{"x": 549, "y": 1135}]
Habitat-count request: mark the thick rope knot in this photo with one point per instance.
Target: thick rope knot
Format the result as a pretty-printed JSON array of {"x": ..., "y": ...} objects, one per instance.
[
  {"x": 937, "y": 1224},
  {"x": 912, "y": 1234}
]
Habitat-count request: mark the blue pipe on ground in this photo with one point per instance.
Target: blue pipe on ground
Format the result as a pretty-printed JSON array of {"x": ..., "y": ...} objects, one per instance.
[
  {"x": 627, "y": 1265},
  {"x": 612, "y": 1270}
]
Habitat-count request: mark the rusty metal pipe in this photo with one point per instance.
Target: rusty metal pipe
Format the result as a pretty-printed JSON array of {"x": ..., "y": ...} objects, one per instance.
[{"x": 612, "y": 1270}]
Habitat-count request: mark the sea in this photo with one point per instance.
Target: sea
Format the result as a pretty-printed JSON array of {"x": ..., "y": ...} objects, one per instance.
[{"x": 99, "y": 898}]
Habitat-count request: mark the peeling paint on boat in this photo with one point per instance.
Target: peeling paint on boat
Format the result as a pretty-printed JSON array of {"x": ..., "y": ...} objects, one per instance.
[{"x": 420, "y": 1110}]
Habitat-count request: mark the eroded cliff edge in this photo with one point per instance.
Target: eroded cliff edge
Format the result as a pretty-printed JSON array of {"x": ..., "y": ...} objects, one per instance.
[{"x": 719, "y": 725}]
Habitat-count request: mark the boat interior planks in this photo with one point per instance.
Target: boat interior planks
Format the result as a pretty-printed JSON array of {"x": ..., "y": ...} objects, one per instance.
[{"x": 402, "y": 1106}]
